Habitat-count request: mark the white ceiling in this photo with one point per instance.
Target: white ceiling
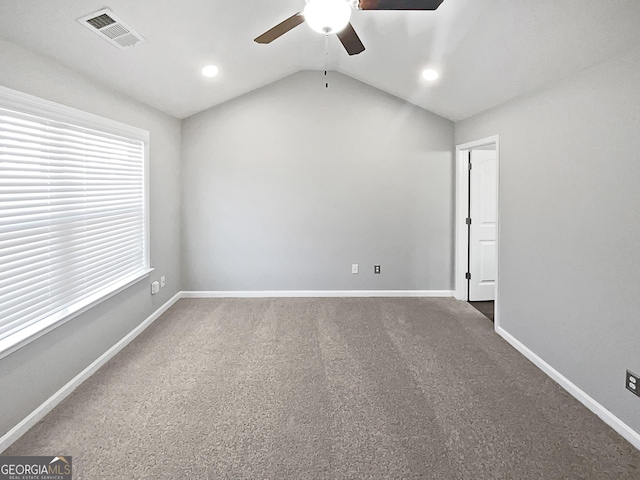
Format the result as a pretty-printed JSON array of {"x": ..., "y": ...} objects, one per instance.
[{"x": 488, "y": 51}]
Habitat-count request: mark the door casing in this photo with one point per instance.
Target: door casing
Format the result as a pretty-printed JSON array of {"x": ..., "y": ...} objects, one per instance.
[{"x": 462, "y": 203}]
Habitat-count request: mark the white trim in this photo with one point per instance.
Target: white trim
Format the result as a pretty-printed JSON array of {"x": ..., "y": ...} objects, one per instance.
[
  {"x": 26, "y": 103},
  {"x": 316, "y": 293},
  {"x": 462, "y": 200},
  {"x": 49, "y": 404},
  {"x": 147, "y": 205},
  {"x": 605, "y": 415}
]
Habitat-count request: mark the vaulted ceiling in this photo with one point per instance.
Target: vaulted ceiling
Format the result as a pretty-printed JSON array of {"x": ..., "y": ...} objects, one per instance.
[{"x": 487, "y": 51}]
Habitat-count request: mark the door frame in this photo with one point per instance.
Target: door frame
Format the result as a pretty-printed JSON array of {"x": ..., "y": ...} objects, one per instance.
[{"x": 461, "y": 287}]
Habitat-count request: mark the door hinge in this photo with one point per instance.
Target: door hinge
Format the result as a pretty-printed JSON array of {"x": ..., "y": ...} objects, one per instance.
[
  {"x": 467, "y": 276},
  {"x": 469, "y": 165},
  {"x": 468, "y": 221}
]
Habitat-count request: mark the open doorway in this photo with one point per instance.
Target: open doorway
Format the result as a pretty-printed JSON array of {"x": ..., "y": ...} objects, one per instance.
[{"x": 477, "y": 213}]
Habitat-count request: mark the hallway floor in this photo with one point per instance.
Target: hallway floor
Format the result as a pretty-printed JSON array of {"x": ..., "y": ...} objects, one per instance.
[{"x": 486, "y": 308}]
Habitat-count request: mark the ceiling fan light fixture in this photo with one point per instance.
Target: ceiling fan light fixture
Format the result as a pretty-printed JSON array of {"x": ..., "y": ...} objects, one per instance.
[
  {"x": 430, "y": 75},
  {"x": 327, "y": 16}
]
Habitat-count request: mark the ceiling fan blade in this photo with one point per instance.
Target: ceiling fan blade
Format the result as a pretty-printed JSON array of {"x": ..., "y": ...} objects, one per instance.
[
  {"x": 280, "y": 29},
  {"x": 399, "y": 4},
  {"x": 350, "y": 40}
]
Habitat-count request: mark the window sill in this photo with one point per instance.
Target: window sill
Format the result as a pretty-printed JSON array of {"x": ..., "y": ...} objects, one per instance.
[{"x": 27, "y": 335}]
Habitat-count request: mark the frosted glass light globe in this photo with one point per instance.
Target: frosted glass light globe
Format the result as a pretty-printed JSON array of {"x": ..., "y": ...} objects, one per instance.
[
  {"x": 327, "y": 16},
  {"x": 430, "y": 74}
]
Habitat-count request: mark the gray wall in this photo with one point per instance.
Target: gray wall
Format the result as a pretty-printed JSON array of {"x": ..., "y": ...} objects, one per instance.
[
  {"x": 570, "y": 223},
  {"x": 285, "y": 187},
  {"x": 32, "y": 374}
]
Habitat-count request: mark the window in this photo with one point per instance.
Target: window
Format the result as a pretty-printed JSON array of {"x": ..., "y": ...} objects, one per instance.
[{"x": 73, "y": 213}]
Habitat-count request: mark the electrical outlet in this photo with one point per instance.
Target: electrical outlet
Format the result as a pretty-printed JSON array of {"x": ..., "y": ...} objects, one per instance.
[
  {"x": 376, "y": 269},
  {"x": 155, "y": 288},
  {"x": 633, "y": 383},
  {"x": 163, "y": 281},
  {"x": 354, "y": 268}
]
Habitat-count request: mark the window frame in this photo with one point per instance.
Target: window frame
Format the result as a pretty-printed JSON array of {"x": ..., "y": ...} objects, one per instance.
[{"x": 30, "y": 104}]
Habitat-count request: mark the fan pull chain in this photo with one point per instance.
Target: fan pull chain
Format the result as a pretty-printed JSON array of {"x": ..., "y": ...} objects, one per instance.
[{"x": 326, "y": 60}]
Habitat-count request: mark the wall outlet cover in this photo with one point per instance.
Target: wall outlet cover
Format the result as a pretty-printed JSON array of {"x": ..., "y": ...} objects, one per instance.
[
  {"x": 632, "y": 382},
  {"x": 155, "y": 287},
  {"x": 376, "y": 269}
]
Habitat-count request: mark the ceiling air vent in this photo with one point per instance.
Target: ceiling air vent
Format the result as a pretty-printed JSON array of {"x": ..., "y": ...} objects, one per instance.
[{"x": 106, "y": 25}]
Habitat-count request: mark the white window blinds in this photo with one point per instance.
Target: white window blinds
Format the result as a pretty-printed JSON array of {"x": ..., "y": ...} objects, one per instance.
[{"x": 72, "y": 219}]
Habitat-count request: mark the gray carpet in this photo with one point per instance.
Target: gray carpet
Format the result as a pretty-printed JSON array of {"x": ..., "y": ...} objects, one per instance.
[{"x": 326, "y": 389}]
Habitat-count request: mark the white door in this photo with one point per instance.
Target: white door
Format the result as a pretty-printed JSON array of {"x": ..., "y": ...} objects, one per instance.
[{"x": 482, "y": 235}]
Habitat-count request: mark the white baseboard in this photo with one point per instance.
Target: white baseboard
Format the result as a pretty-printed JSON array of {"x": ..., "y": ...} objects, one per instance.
[
  {"x": 49, "y": 404},
  {"x": 316, "y": 293},
  {"x": 605, "y": 415}
]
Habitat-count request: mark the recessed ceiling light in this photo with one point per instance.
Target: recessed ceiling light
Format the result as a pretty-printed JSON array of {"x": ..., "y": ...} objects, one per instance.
[
  {"x": 210, "y": 71},
  {"x": 429, "y": 74}
]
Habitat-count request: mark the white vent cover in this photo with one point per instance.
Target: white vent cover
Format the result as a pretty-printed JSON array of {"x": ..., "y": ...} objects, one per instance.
[{"x": 106, "y": 25}]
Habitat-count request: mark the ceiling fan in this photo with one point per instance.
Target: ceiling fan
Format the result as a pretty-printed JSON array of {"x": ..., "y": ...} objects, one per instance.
[{"x": 332, "y": 16}]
